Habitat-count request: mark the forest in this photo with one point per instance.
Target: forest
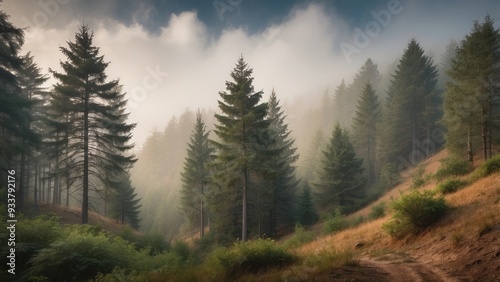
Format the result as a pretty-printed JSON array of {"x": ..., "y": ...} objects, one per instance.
[{"x": 252, "y": 170}]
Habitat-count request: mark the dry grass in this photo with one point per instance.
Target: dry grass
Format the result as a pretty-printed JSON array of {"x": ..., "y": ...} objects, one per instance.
[{"x": 474, "y": 212}]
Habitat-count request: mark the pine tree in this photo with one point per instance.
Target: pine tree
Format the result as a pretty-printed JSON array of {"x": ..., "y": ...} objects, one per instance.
[
  {"x": 196, "y": 174},
  {"x": 365, "y": 123},
  {"x": 282, "y": 180},
  {"x": 85, "y": 103},
  {"x": 472, "y": 102},
  {"x": 117, "y": 133},
  {"x": 31, "y": 79},
  {"x": 306, "y": 212},
  {"x": 408, "y": 121},
  {"x": 125, "y": 204},
  {"x": 240, "y": 129},
  {"x": 15, "y": 118},
  {"x": 340, "y": 182},
  {"x": 368, "y": 73},
  {"x": 341, "y": 104}
]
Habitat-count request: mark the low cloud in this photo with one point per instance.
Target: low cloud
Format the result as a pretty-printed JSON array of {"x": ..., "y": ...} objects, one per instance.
[{"x": 184, "y": 65}]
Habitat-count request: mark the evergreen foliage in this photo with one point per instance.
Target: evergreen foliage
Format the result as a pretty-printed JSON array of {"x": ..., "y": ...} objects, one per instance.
[
  {"x": 90, "y": 115},
  {"x": 16, "y": 134},
  {"x": 340, "y": 182},
  {"x": 410, "y": 110},
  {"x": 365, "y": 123},
  {"x": 280, "y": 170},
  {"x": 242, "y": 130},
  {"x": 306, "y": 212},
  {"x": 196, "y": 175},
  {"x": 472, "y": 99}
]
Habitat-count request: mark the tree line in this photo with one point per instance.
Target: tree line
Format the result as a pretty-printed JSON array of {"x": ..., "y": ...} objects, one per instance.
[
  {"x": 69, "y": 143},
  {"x": 242, "y": 180}
]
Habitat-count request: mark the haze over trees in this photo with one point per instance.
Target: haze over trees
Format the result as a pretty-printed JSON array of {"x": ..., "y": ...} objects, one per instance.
[{"x": 251, "y": 169}]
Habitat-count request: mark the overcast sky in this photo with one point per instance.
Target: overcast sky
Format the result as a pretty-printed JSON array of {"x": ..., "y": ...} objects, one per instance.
[{"x": 173, "y": 54}]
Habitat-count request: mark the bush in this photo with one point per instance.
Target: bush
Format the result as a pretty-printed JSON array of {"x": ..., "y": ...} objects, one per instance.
[
  {"x": 335, "y": 223},
  {"x": 418, "y": 177},
  {"x": 450, "y": 186},
  {"x": 300, "y": 237},
  {"x": 488, "y": 167},
  {"x": 378, "y": 211},
  {"x": 452, "y": 167},
  {"x": 80, "y": 257},
  {"x": 414, "y": 212},
  {"x": 250, "y": 257}
]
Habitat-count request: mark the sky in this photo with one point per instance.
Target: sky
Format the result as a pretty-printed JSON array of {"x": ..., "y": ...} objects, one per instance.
[{"x": 171, "y": 55}]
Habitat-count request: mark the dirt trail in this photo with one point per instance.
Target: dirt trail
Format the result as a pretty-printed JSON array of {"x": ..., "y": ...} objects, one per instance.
[{"x": 405, "y": 268}]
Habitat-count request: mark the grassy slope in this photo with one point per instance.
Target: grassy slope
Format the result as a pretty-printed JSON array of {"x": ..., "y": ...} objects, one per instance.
[{"x": 465, "y": 243}]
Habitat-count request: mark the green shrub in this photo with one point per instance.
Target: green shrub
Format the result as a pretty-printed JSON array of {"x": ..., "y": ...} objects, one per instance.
[
  {"x": 414, "y": 212},
  {"x": 452, "y": 167},
  {"x": 181, "y": 249},
  {"x": 80, "y": 257},
  {"x": 250, "y": 257},
  {"x": 300, "y": 237},
  {"x": 335, "y": 223},
  {"x": 488, "y": 167},
  {"x": 450, "y": 186},
  {"x": 418, "y": 177},
  {"x": 377, "y": 211}
]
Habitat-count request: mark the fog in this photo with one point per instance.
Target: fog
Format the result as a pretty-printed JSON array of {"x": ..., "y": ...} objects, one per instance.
[{"x": 169, "y": 60}]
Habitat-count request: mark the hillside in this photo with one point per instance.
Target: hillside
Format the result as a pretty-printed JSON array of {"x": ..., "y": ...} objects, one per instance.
[
  {"x": 74, "y": 216},
  {"x": 464, "y": 245}
]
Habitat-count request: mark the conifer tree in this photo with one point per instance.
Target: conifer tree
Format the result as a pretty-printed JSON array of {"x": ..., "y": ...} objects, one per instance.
[
  {"x": 472, "y": 99},
  {"x": 125, "y": 203},
  {"x": 240, "y": 129},
  {"x": 15, "y": 118},
  {"x": 280, "y": 165},
  {"x": 408, "y": 121},
  {"x": 340, "y": 182},
  {"x": 84, "y": 101},
  {"x": 31, "y": 80},
  {"x": 368, "y": 73},
  {"x": 365, "y": 125},
  {"x": 340, "y": 103},
  {"x": 196, "y": 174},
  {"x": 306, "y": 212}
]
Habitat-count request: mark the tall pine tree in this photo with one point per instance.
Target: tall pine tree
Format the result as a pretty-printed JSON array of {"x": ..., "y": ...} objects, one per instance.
[
  {"x": 240, "y": 129},
  {"x": 196, "y": 175},
  {"x": 31, "y": 80},
  {"x": 365, "y": 123},
  {"x": 408, "y": 121},
  {"x": 86, "y": 101},
  {"x": 282, "y": 180},
  {"x": 15, "y": 108},
  {"x": 472, "y": 99},
  {"x": 340, "y": 182}
]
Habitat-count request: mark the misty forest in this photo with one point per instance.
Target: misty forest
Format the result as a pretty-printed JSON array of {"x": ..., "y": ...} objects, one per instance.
[{"x": 236, "y": 191}]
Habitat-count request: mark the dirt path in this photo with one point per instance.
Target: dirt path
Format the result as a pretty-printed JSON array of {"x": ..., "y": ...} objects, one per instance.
[{"x": 401, "y": 267}]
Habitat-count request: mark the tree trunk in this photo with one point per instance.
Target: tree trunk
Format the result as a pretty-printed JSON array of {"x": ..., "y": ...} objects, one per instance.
[
  {"x": 35, "y": 188},
  {"x": 85, "y": 200},
  {"x": 202, "y": 214},
  {"x": 244, "y": 220}
]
